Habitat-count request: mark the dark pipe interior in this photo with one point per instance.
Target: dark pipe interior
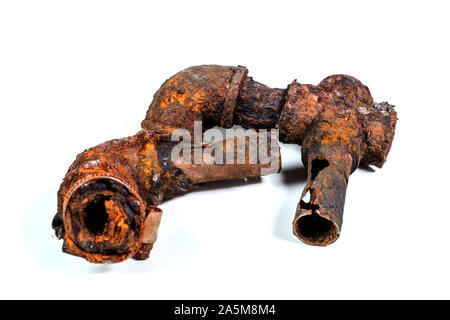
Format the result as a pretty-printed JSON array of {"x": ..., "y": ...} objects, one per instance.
[
  {"x": 316, "y": 229},
  {"x": 96, "y": 217},
  {"x": 317, "y": 166}
]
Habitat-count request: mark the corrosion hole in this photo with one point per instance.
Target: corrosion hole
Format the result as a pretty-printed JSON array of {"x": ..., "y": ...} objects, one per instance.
[
  {"x": 307, "y": 197},
  {"x": 317, "y": 166},
  {"x": 95, "y": 216},
  {"x": 317, "y": 230},
  {"x": 308, "y": 205}
]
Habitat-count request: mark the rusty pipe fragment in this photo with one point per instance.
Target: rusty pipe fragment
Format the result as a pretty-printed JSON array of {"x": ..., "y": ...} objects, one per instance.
[
  {"x": 108, "y": 200},
  {"x": 107, "y": 203}
]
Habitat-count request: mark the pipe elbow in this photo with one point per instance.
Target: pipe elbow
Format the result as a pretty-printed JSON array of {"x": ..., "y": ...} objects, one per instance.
[
  {"x": 105, "y": 214},
  {"x": 205, "y": 93}
]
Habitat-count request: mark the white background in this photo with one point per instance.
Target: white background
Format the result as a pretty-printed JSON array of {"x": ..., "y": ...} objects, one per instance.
[{"x": 74, "y": 74}]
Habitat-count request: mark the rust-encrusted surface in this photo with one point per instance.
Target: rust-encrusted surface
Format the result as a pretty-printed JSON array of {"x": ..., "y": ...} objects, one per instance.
[{"x": 107, "y": 203}]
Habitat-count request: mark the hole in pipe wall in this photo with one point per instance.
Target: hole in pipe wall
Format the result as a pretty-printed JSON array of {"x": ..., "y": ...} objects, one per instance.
[{"x": 318, "y": 165}]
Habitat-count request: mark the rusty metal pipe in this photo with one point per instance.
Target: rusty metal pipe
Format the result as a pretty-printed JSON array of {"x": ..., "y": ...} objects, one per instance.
[{"x": 107, "y": 203}]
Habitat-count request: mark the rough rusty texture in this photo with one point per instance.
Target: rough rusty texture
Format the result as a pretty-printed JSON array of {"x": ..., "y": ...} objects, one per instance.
[
  {"x": 107, "y": 203},
  {"x": 258, "y": 106},
  {"x": 196, "y": 94},
  {"x": 338, "y": 126}
]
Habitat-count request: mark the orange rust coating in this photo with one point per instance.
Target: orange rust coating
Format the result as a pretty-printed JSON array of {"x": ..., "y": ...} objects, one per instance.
[
  {"x": 196, "y": 94},
  {"x": 337, "y": 123},
  {"x": 141, "y": 165}
]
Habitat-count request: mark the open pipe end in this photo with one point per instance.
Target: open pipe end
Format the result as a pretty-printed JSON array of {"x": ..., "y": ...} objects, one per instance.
[
  {"x": 314, "y": 229},
  {"x": 103, "y": 221}
]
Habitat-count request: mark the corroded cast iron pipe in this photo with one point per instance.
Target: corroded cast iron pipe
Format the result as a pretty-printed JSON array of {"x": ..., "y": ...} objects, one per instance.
[{"x": 107, "y": 203}]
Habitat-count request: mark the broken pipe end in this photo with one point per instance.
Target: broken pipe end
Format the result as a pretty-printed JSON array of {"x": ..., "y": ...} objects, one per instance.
[
  {"x": 315, "y": 228},
  {"x": 103, "y": 220}
]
